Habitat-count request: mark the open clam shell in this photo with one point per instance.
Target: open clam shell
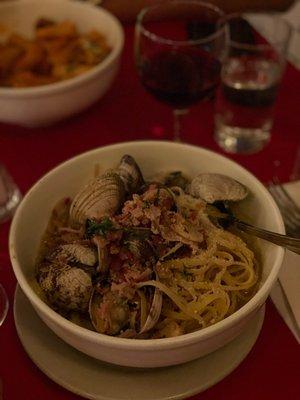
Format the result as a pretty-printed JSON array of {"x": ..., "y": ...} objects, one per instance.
[
  {"x": 102, "y": 196},
  {"x": 110, "y": 313},
  {"x": 176, "y": 178},
  {"x": 141, "y": 249},
  {"x": 154, "y": 312},
  {"x": 217, "y": 187},
  {"x": 130, "y": 174}
]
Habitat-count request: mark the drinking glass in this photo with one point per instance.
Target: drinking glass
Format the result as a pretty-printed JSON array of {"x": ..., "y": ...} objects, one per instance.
[
  {"x": 3, "y": 304},
  {"x": 179, "y": 46},
  {"x": 250, "y": 77},
  {"x": 10, "y": 195}
]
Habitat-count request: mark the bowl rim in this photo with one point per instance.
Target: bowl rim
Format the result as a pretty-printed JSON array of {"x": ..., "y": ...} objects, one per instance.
[
  {"x": 60, "y": 86},
  {"x": 146, "y": 344}
]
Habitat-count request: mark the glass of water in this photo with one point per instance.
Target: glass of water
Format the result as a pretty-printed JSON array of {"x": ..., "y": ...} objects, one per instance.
[{"x": 250, "y": 77}]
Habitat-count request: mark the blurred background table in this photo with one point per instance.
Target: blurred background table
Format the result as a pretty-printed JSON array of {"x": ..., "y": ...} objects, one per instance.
[{"x": 127, "y": 112}]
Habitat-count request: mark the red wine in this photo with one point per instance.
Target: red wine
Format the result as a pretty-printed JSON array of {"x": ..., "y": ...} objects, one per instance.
[{"x": 180, "y": 77}]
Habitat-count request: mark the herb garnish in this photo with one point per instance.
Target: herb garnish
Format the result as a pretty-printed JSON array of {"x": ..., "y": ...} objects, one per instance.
[
  {"x": 93, "y": 227},
  {"x": 146, "y": 204}
]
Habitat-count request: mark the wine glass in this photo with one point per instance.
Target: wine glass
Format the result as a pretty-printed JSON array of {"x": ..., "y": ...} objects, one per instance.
[
  {"x": 3, "y": 304},
  {"x": 179, "y": 47},
  {"x": 10, "y": 195}
]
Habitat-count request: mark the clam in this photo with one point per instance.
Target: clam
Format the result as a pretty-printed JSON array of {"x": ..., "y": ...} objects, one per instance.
[
  {"x": 68, "y": 288},
  {"x": 217, "y": 187},
  {"x": 102, "y": 196},
  {"x": 141, "y": 249},
  {"x": 130, "y": 174},
  {"x": 110, "y": 313},
  {"x": 176, "y": 178},
  {"x": 79, "y": 253}
]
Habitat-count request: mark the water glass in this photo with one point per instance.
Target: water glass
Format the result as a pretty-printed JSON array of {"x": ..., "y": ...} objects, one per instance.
[{"x": 250, "y": 77}]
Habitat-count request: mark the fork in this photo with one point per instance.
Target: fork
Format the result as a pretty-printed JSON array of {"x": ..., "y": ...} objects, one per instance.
[
  {"x": 289, "y": 209},
  {"x": 288, "y": 242}
]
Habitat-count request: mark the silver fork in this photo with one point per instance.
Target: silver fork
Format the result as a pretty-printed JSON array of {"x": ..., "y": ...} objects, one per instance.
[
  {"x": 289, "y": 209},
  {"x": 290, "y": 243}
]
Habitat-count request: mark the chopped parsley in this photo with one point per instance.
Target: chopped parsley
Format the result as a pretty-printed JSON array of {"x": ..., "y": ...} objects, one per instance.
[
  {"x": 186, "y": 274},
  {"x": 93, "y": 227},
  {"x": 146, "y": 204}
]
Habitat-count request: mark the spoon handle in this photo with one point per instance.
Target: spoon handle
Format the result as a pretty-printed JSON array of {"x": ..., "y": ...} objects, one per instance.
[{"x": 290, "y": 243}]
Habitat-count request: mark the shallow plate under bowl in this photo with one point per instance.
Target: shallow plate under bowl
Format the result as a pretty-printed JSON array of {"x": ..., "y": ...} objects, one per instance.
[{"x": 97, "y": 380}]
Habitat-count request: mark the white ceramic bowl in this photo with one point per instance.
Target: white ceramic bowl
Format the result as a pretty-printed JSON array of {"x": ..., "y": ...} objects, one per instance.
[
  {"x": 45, "y": 105},
  {"x": 33, "y": 214}
]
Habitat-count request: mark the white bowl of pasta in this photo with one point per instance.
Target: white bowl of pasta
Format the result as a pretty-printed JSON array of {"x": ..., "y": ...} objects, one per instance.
[
  {"x": 57, "y": 57},
  {"x": 176, "y": 336}
]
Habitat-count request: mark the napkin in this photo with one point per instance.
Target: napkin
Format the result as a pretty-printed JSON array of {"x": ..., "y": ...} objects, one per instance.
[
  {"x": 292, "y": 16},
  {"x": 286, "y": 293}
]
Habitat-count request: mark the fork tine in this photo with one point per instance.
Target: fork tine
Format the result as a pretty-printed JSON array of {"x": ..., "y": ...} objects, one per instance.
[
  {"x": 285, "y": 195},
  {"x": 289, "y": 211},
  {"x": 282, "y": 193}
]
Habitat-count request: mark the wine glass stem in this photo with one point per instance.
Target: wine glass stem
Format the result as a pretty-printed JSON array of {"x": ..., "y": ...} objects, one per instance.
[{"x": 178, "y": 115}]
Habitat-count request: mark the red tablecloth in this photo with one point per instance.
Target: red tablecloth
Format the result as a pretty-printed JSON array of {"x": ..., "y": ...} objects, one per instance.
[{"x": 271, "y": 370}]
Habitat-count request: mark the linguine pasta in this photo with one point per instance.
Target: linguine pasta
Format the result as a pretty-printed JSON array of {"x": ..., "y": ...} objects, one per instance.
[{"x": 211, "y": 284}]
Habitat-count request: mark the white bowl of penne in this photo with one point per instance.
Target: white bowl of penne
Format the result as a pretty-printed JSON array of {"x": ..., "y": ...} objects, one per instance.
[{"x": 57, "y": 57}]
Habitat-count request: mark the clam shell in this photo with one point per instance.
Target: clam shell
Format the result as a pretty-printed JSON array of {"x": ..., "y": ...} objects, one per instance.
[
  {"x": 119, "y": 313},
  {"x": 217, "y": 187},
  {"x": 141, "y": 249},
  {"x": 116, "y": 318},
  {"x": 102, "y": 196},
  {"x": 154, "y": 312},
  {"x": 176, "y": 178},
  {"x": 130, "y": 174},
  {"x": 66, "y": 287},
  {"x": 80, "y": 253}
]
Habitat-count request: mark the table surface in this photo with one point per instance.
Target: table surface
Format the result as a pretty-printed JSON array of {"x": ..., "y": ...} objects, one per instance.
[{"x": 271, "y": 370}]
